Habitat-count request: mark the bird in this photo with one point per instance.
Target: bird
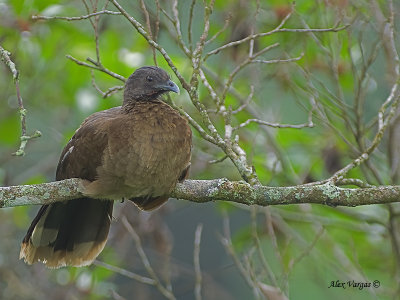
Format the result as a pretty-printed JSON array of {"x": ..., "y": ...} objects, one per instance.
[{"x": 137, "y": 151}]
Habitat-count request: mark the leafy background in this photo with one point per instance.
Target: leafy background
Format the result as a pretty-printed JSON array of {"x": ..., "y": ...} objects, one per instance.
[{"x": 317, "y": 244}]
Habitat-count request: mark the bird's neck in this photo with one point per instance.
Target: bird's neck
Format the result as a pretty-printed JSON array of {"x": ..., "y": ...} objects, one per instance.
[{"x": 128, "y": 105}]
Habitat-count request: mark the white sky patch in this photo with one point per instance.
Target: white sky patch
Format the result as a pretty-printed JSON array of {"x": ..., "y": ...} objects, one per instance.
[
  {"x": 131, "y": 59},
  {"x": 86, "y": 100},
  {"x": 4, "y": 9},
  {"x": 355, "y": 53},
  {"x": 84, "y": 281},
  {"x": 52, "y": 10}
]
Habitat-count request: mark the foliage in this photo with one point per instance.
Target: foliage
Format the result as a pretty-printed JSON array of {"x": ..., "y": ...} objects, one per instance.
[{"x": 332, "y": 83}]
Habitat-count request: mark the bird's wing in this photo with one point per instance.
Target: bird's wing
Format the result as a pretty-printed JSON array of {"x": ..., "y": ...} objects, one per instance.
[{"x": 83, "y": 153}]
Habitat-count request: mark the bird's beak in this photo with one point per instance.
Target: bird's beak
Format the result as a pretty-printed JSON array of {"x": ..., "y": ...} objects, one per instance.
[{"x": 169, "y": 86}]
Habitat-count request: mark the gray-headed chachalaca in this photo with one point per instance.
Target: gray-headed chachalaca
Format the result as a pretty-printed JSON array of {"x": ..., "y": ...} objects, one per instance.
[{"x": 137, "y": 151}]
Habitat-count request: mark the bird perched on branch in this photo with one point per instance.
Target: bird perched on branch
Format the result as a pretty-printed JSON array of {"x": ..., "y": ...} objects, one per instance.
[{"x": 137, "y": 151}]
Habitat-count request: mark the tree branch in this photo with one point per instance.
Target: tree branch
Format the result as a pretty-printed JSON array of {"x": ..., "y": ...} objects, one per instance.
[
  {"x": 202, "y": 191},
  {"x": 88, "y": 16},
  {"x": 24, "y": 138}
]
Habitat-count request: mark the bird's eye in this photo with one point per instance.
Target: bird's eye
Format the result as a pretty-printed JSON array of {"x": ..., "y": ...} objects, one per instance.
[{"x": 149, "y": 78}]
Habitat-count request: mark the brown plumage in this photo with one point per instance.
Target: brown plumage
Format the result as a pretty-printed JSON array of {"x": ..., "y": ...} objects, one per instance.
[{"x": 137, "y": 151}]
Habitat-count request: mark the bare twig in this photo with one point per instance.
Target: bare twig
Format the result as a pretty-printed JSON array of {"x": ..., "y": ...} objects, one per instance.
[
  {"x": 276, "y": 61},
  {"x": 393, "y": 99},
  {"x": 274, "y": 241},
  {"x": 246, "y": 102},
  {"x": 24, "y": 138},
  {"x": 211, "y": 91},
  {"x": 257, "y": 242},
  {"x": 227, "y": 243},
  {"x": 88, "y": 16},
  {"x": 307, "y": 250},
  {"x": 148, "y": 25},
  {"x": 218, "y": 33},
  {"x": 353, "y": 181},
  {"x": 95, "y": 66},
  {"x": 168, "y": 294},
  {"x": 125, "y": 273},
  {"x": 196, "y": 125},
  {"x": 196, "y": 261},
  {"x": 177, "y": 25},
  {"x": 275, "y": 125},
  {"x": 279, "y": 28},
  {"x": 5, "y": 57},
  {"x": 378, "y": 137},
  {"x": 109, "y": 92},
  {"x": 190, "y": 23},
  {"x": 157, "y": 24},
  {"x": 215, "y": 161},
  {"x": 246, "y": 62}
]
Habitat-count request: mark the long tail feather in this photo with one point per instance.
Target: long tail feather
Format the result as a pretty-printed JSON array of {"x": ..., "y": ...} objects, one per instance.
[{"x": 71, "y": 233}]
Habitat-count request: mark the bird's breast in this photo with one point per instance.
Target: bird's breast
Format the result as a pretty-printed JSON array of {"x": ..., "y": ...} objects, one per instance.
[{"x": 146, "y": 154}]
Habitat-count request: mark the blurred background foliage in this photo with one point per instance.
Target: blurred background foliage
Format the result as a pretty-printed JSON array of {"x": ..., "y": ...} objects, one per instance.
[{"x": 306, "y": 246}]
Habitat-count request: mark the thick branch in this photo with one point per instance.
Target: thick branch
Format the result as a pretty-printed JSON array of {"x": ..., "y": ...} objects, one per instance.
[{"x": 218, "y": 189}]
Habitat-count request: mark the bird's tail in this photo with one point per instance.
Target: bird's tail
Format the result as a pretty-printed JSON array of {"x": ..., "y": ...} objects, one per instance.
[{"x": 71, "y": 233}]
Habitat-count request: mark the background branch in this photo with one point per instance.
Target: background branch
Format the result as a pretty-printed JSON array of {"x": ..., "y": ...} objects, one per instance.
[{"x": 5, "y": 57}]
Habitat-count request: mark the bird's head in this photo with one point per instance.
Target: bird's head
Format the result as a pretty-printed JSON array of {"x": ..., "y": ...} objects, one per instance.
[{"x": 147, "y": 83}]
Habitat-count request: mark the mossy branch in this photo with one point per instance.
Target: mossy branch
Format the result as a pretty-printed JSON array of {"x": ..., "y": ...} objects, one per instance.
[{"x": 212, "y": 190}]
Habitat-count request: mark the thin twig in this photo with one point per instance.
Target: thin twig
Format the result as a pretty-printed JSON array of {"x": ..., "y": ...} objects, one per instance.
[
  {"x": 274, "y": 125},
  {"x": 109, "y": 92},
  {"x": 257, "y": 35},
  {"x": 198, "y": 51},
  {"x": 211, "y": 91},
  {"x": 277, "y": 29},
  {"x": 149, "y": 31},
  {"x": 274, "y": 241},
  {"x": 215, "y": 161},
  {"x": 246, "y": 102},
  {"x": 307, "y": 250},
  {"x": 96, "y": 67},
  {"x": 393, "y": 99},
  {"x": 168, "y": 294},
  {"x": 378, "y": 137},
  {"x": 196, "y": 125},
  {"x": 125, "y": 273},
  {"x": 177, "y": 25},
  {"x": 157, "y": 23},
  {"x": 276, "y": 61},
  {"x": 257, "y": 242},
  {"x": 238, "y": 68},
  {"x": 218, "y": 33},
  {"x": 24, "y": 138},
  {"x": 196, "y": 261},
  {"x": 227, "y": 243},
  {"x": 190, "y": 23},
  {"x": 88, "y": 16},
  {"x": 353, "y": 181}
]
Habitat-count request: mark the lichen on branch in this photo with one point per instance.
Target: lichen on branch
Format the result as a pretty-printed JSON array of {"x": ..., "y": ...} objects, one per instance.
[{"x": 202, "y": 191}]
